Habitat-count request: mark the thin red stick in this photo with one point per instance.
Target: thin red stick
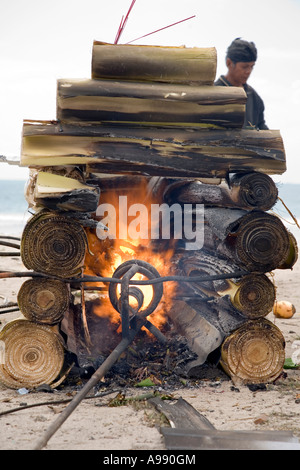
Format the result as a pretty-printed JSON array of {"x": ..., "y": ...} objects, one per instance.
[
  {"x": 118, "y": 32},
  {"x": 161, "y": 29},
  {"x": 122, "y": 25}
]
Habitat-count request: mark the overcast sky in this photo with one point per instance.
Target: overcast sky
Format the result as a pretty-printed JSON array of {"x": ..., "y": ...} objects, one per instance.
[{"x": 43, "y": 41}]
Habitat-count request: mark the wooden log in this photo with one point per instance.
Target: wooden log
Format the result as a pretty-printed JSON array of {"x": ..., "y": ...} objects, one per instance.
[
  {"x": 246, "y": 191},
  {"x": 44, "y": 300},
  {"x": 34, "y": 354},
  {"x": 109, "y": 183},
  {"x": 252, "y": 295},
  {"x": 124, "y": 102},
  {"x": 53, "y": 244},
  {"x": 204, "y": 324},
  {"x": 152, "y": 151},
  {"x": 58, "y": 192},
  {"x": 256, "y": 240},
  {"x": 71, "y": 172},
  {"x": 181, "y": 414},
  {"x": 292, "y": 256},
  {"x": 202, "y": 335},
  {"x": 193, "y": 66},
  {"x": 198, "y": 263},
  {"x": 254, "y": 353},
  {"x": 219, "y": 312}
]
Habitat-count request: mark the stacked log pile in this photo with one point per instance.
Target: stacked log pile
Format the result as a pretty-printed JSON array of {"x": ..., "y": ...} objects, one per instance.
[{"x": 153, "y": 114}]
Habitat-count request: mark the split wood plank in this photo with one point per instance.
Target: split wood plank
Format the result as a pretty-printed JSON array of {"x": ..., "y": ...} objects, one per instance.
[
  {"x": 152, "y": 151},
  {"x": 144, "y": 103}
]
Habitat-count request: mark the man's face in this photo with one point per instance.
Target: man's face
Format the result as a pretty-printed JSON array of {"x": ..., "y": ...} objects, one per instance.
[{"x": 239, "y": 72}]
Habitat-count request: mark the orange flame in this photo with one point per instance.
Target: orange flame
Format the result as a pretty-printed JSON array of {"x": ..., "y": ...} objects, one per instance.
[{"x": 108, "y": 254}]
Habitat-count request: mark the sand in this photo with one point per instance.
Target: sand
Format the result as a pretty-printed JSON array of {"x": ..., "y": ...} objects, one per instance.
[{"x": 94, "y": 425}]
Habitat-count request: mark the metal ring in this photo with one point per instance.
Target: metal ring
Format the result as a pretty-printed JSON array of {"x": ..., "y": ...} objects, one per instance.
[{"x": 146, "y": 270}]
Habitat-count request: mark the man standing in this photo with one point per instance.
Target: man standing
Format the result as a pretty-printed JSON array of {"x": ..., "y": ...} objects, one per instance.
[{"x": 240, "y": 60}]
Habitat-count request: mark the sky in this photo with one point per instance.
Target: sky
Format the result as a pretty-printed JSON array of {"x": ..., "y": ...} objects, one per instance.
[{"x": 41, "y": 42}]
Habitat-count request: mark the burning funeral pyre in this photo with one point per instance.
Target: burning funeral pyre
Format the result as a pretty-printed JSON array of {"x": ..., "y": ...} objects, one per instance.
[{"x": 150, "y": 207}]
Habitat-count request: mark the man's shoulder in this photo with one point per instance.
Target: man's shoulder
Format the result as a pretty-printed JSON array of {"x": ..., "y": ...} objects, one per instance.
[{"x": 251, "y": 91}]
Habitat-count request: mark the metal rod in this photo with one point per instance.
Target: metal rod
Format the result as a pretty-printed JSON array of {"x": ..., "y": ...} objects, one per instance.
[
  {"x": 98, "y": 375},
  {"x": 216, "y": 277},
  {"x": 124, "y": 299},
  {"x": 156, "y": 332},
  {"x": 8, "y": 304},
  {"x": 158, "y": 280},
  {"x": 11, "y": 245},
  {"x": 9, "y": 310},
  {"x": 10, "y": 253},
  {"x": 8, "y": 237},
  {"x": 9, "y": 274}
]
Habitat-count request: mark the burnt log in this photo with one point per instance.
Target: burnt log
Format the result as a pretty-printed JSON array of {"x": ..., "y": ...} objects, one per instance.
[
  {"x": 193, "y": 66},
  {"x": 203, "y": 335},
  {"x": 61, "y": 193},
  {"x": 249, "y": 350},
  {"x": 144, "y": 103},
  {"x": 255, "y": 240},
  {"x": 152, "y": 151},
  {"x": 246, "y": 191}
]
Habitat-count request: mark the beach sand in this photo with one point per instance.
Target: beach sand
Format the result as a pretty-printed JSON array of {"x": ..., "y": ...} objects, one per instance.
[{"x": 227, "y": 405}]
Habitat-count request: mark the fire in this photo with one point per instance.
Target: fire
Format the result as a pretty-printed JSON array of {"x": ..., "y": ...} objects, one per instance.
[{"x": 107, "y": 254}]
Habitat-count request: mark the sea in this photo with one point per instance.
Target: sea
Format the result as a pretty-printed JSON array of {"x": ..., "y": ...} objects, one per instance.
[{"x": 14, "y": 207}]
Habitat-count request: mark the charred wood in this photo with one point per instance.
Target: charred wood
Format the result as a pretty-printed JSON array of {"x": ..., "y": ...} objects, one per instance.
[
  {"x": 252, "y": 295},
  {"x": 61, "y": 193},
  {"x": 134, "y": 150},
  {"x": 121, "y": 102},
  {"x": 246, "y": 191},
  {"x": 255, "y": 240}
]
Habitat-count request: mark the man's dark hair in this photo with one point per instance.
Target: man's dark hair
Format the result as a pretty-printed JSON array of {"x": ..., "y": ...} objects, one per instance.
[{"x": 242, "y": 51}]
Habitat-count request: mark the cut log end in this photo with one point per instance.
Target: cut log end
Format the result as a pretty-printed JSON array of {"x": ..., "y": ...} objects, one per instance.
[
  {"x": 255, "y": 190},
  {"x": 262, "y": 242},
  {"x": 254, "y": 353},
  {"x": 34, "y": 355},
  {"x": 44, "y": 300},
  {"x": 255, "y": 296},
  {"x": 292, "y": 255},
  {"x": 53, "y": 244}
]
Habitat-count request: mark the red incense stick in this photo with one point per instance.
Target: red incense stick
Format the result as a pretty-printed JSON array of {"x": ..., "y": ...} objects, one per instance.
[
  {"x": 123, "y": 23},
  {"x": 173, "y": 24}
]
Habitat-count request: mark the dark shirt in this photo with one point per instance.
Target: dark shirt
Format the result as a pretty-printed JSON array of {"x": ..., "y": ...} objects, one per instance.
[{"x": 254, "y": 117}]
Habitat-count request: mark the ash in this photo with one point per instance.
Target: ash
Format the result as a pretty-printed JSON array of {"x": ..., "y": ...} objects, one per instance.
[{"x": 149, "y": 363}]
